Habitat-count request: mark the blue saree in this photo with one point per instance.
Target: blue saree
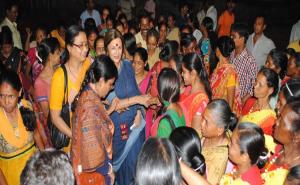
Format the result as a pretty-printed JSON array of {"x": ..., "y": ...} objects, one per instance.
[{"x": 127, "y": 142}]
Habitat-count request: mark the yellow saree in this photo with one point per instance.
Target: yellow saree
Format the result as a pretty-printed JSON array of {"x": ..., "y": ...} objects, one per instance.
[{"x": 16, "y": 147}]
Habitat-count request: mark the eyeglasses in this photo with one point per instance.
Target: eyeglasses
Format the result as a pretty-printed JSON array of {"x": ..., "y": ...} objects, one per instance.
[
  {"x": 8, "y": 96},
  {"x": 81, "y": 46}
]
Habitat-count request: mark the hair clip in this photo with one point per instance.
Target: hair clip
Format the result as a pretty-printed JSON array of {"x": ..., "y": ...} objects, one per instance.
[
  {"x": 199, "y": 167},
  {"x": 37, "y": 56},
  {"x": 264, "y": 157},
  {"x": 166, "y": 103},
  {"x": 287, "y": 86}
]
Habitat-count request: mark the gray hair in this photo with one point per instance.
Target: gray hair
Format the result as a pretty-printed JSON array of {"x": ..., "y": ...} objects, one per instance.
[{"x": 50, "y": 167}]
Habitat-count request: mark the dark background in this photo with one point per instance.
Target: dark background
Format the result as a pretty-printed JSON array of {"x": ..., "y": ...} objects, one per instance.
[{"x": 281, "y": 14}]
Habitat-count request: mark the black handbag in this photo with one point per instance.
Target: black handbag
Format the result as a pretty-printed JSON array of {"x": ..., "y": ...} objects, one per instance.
[{"x": 59, "y": 139}]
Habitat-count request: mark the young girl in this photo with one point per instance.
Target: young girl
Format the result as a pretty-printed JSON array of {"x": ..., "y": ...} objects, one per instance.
[
  {"x": 277, "y": 60},
  {"x": 247, "y": 151},
  {"x": 195, "y": 101},
  {"x": 169, "y": 49},
  {"x": 91, "y": 34},
  {"x": 224, "y": 79},
  {"x": 172, "y": 115},
  {"x": 48, "y": 53}
]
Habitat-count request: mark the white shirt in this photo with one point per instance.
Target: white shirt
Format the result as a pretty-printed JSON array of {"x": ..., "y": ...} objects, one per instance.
[
  {"x": 95, "y": 15},
  {"x": 139, "y": 40},
  {"x": 14, "y": 30},
  {"x": 261, "y": 49},
  {"x": 211, "y": 13},
  {"x": 295, "y": 33}
]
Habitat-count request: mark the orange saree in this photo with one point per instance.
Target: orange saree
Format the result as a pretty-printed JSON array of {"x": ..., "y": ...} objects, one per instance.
[{"x": 223, "y": 77}]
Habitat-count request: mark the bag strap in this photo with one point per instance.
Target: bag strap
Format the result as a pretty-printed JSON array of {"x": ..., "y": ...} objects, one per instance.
[{"x": 65, "y": 100}]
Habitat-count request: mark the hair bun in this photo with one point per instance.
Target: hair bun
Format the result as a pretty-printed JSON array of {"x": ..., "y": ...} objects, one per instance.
[
  {"x": 28, "y": 116},
  {"x": 198, "y": 163},
  {"x": 42, "y": 52},
  {"x": 263, "y": 158},
  {"x": 232, "y": 122},
  {"x": 165, "y": 51}
]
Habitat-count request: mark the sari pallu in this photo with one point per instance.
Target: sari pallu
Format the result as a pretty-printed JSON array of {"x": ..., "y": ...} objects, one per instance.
[
  {"x": 124, "y": 158},
  {"x": 265, "y": 119},
  {"x": 250, "y": 177},
  {"x": 219, "y": 84},
  {"x": 144, "y": 88},
  {"x": 273, "y": 173},
  {"x": 154, "y": 72},
  {"x": 151, "y": 113},
  {"x": 216, "y": 159},
  {"x": 14, "y": 150},
  {"x": 193, "y": 104}
]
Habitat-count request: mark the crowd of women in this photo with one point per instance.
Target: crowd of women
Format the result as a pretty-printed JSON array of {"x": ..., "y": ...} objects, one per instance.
[{"x": 161, "y": 105}]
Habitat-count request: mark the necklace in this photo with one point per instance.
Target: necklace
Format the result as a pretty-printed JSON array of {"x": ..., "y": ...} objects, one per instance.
[
  {"x": 14, "y": 125},
  {"x": 256, "y": 107},
  {"x": 271, "y": 164}
]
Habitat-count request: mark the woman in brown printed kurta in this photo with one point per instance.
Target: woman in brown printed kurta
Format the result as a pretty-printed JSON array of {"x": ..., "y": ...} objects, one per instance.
[{"x": 92, "y": 131}]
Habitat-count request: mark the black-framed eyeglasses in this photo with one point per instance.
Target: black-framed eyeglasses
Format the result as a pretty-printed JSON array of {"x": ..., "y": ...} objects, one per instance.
[{"x": 81, "y": 46}]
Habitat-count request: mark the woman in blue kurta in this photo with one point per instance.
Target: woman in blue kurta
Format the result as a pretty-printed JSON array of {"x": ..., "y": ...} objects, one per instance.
[{"x": 129, "y": 126}]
